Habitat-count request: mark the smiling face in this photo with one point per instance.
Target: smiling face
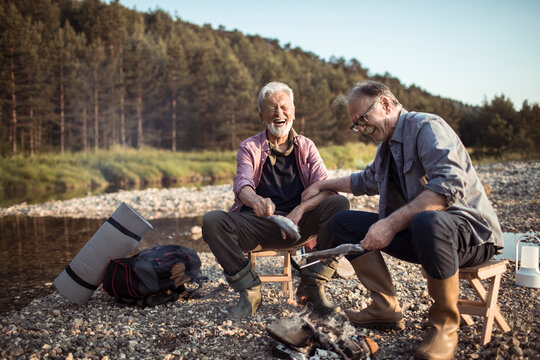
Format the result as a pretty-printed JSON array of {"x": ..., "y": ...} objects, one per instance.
[
  {"x": 373, "y": 117},
  {"x": 277, "y": 115}
]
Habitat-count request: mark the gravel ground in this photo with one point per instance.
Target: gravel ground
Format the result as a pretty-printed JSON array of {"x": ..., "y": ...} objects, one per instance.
[{"x": 52, "y": 327}]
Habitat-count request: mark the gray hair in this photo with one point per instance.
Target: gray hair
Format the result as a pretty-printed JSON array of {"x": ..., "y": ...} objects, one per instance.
[
  {"x": 367, "y": 88},
  {"x": 272, "y": 88}
]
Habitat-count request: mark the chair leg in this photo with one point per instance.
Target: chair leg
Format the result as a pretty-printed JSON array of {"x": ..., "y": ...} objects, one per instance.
[
  {"x": 467, "y": 319},
  {"x": 286, "y": 271},
  {"x": 285, "y": 278},
  {"x": 489, "y": 298}
]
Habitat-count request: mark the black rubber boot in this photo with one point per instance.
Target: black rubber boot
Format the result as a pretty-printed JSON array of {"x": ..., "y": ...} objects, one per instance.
[
  {"x": 311, "y": 287},
  {"x": 247, "y": 283}
]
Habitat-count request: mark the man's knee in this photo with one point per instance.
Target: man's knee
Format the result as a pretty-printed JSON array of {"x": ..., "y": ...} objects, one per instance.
[
  {"x": 429, "y": 225},
  {"x": 333, "y": 204},
  {"x": 338, "y": 202},
  {"x": 433, "y": 240},
  {"x": 340, "y": 218},
  {"x": 345, "y": 227},
  {"x": 212, "y": 224}
]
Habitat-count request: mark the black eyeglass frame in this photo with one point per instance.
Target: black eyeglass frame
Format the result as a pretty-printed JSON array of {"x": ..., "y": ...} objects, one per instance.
[{"x": 362, "y": 121}]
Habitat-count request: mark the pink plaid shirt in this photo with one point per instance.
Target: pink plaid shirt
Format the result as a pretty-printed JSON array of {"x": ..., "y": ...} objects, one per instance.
[{"x": 252, "y": 154}]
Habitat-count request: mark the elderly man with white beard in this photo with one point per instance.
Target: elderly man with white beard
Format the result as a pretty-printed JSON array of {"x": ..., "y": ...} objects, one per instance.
[{"x": 273, "y": 169}]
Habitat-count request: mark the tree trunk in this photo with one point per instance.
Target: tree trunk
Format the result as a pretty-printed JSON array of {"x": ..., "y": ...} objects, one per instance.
[
  {"x": 32, "y": 142},
  {"x": 21, "y": 134},
  {"x": 69, "y": 136},
  {"x": 140, "y": 139},
  {"x": 122, "y": 100},
  {"x": 39, "y": 132},
  {"x": 122, "y": 122},
  {"x": 96, "y": 114},
  {"x": 85, "y": 131},
  {"x": 13, "y": 134},
  {"x": 62, "y": 114},
  {"x": 233, "y": 129},
  {"x": 173, "y": 125},
  {"x": 31, "y": 139}
]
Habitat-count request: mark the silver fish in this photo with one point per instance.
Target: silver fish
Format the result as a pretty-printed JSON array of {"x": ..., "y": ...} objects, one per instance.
[
  {"x": 286, "y": 224},
  {"x": 344, "y": 249}
]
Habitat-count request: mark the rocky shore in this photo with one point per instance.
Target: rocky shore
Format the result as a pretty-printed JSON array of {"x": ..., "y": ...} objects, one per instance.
[
  {"x": 513, "y": 187},
  {"x": 52, "y": 327}
]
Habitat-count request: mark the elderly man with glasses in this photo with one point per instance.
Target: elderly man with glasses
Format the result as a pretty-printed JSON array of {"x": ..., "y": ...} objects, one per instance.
[
  {"x": 432, "y": 211},
  {"x": 273, "y": 169}
]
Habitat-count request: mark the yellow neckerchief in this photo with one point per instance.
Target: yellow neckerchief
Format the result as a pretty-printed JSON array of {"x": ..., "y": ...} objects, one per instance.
[{"x": 274, "y": 149}]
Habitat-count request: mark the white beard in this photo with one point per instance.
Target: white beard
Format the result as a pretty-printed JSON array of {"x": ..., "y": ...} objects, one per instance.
[{"x": 280, "y": 131}]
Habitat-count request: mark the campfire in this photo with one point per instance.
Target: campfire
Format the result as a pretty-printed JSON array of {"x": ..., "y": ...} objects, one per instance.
[{"x": 308, "y": 336}]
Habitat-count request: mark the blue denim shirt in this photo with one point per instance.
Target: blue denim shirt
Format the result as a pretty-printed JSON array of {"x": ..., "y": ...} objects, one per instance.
[{"x": 430, "y": 155}]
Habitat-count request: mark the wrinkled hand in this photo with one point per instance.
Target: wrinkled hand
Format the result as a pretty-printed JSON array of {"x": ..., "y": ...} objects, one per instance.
[
  {"x": 264, "y": 207},
  {"x": 310, "y": 192},
  {"x": 378, "y": 236}
]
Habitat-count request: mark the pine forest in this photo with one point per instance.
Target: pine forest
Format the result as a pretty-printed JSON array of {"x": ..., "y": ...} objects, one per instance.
[{"x": 87, "y": 75}]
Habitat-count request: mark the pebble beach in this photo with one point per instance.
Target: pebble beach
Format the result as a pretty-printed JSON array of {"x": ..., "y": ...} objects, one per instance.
[{"x": 51, "y": 327}]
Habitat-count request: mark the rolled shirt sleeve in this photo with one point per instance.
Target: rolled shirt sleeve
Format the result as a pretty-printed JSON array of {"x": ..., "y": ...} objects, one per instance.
[
  {"x": 444, "y": 159},
  {"x": 244, "y": 171},
  {"x": 363, "y": 183},
  {"x": 313, "y": 167}
]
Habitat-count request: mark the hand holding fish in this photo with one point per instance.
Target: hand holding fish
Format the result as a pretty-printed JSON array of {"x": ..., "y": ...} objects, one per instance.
[{"x": 264, "y": 207}]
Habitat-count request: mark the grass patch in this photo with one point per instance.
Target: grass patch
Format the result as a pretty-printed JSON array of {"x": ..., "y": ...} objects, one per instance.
[
  {"x": 125, "y": 167},
  {"x": 484, "y": 156},
  {"x": 118, "y": 166},
  {"x": 355, "y": 156}
]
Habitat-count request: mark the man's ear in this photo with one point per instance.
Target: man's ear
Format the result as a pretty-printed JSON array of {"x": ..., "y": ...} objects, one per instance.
[{"x": 387, "y": 106}]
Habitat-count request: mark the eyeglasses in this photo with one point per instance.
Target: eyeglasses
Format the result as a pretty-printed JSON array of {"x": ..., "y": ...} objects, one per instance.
[{"x": 362, "y": 121}]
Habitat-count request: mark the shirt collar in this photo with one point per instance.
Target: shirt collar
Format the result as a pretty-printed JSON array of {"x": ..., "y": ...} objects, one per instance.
[
  {"x": 398, "y": 131},
  {"x": 291, "y": 140}
]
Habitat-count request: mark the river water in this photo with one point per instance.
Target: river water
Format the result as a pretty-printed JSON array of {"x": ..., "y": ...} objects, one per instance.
[{"x": 35, "y": 250}]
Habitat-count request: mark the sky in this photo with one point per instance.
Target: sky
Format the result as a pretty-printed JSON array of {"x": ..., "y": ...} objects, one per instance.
[{"x": 466, "y": 50}]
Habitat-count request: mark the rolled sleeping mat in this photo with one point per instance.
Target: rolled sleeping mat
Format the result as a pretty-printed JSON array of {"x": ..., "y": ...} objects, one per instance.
[{"x": 117, "y": 237}]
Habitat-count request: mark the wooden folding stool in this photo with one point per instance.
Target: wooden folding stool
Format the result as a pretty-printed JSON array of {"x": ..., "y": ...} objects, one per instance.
[
  {"x": 487, "y": 306},
  {"x": 286, "y": 277}
]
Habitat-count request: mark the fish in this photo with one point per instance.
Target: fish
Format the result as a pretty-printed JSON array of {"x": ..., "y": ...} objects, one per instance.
[
  {"x": 287, "y": 225},
  {"x": 341, "y": 250}
]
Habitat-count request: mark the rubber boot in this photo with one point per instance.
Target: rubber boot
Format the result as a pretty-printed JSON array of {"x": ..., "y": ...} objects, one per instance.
[
  {"x": 311, "y": 287},
  {"x": 384, "y": 311},
  {"x": 247, "y": 283},
  {"x": 441, "y": 340}
]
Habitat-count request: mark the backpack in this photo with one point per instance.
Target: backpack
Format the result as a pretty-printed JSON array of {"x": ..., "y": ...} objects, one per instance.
[{"x": 153, "y": 276}]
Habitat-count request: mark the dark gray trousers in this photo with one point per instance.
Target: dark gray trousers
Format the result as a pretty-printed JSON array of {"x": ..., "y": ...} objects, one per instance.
[
  {"x": 230, "y": 234},
  {"x": 437, "y": 240}
]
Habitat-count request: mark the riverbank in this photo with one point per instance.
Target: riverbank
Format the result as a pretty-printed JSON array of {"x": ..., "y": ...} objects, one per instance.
[
  {"x": 55, "y": 175},
  {"x": 52, "y": 327},
  {"x": 513, "y": 187}
]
